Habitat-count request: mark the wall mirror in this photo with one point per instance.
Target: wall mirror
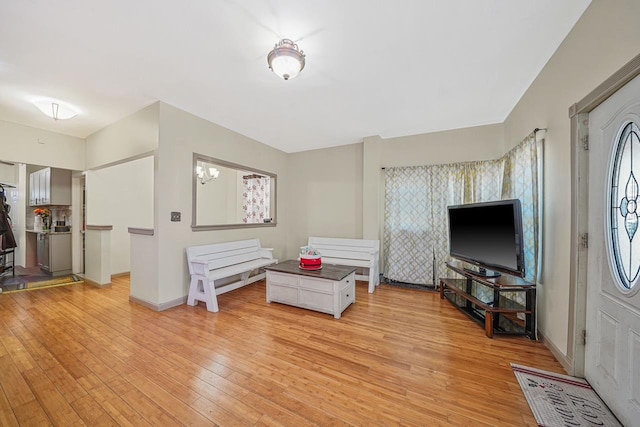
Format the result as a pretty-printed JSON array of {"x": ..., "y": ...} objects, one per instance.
[{"x": 228, "y": 195}]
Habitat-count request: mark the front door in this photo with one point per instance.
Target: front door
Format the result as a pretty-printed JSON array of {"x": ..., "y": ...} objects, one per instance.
[{"x": 612, "y": 349}]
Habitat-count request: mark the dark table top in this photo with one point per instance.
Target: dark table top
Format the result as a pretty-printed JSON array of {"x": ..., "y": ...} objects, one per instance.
[{"x": 328, "y": 272}]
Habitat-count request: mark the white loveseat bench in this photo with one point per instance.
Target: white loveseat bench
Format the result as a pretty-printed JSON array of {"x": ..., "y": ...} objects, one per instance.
[
  {"x": 209, "y": 264},
  {"x": 351, "y": 252}
]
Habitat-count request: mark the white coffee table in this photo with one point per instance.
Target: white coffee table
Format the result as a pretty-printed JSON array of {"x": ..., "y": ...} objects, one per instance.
[{"x": 329, "y": 290}]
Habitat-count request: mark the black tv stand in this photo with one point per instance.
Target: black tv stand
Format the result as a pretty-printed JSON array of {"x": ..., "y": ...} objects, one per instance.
[
  {"x": 483, "y": 272},
  {"x": 491, "y": 301}
]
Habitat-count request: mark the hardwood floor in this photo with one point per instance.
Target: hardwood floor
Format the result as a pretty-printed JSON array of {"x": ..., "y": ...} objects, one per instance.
[{"x": 81, "y": 355}]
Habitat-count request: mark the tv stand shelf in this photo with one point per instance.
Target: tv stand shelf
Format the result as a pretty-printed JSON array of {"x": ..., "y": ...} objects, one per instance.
[{"x": 483, "y": 300}]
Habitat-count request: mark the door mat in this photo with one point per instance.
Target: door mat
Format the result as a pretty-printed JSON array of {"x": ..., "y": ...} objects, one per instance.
[
  {"x": 42, "y": 284},
  {"x": 561, "y": 400}
]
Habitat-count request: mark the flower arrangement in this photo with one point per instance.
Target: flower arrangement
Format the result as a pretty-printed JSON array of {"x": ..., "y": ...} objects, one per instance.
[
  {"x": 309, "y": 252},
  {"x": 42, "y": 212},
  {"x": 41, "y": 219}
]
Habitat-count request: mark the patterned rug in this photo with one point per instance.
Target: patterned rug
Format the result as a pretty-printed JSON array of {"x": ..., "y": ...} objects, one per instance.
[{"x": 561, "y": 400}]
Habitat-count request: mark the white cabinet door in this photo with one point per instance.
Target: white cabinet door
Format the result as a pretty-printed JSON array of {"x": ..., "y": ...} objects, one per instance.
[
  {"x": 39, "y": 187},
  {"x": 36, "y": 187},
  {"x": 45, "y": 186},
  {"x": 32, "y": 190},
  {"x": 60, "y": 252},
  {"x": 36, "y": 179}
]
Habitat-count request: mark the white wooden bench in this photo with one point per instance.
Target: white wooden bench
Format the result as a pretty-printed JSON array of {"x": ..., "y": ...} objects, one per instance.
[
  {"x": 351, "y": 252},
  {"x": 209, "y": 264}
]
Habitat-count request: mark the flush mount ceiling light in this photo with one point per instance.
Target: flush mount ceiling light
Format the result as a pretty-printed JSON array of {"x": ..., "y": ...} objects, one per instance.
[
  {"x": 55, "y": 109},
  {"x": 206, "y": 174},
  {"x": 286, "y": 60}
]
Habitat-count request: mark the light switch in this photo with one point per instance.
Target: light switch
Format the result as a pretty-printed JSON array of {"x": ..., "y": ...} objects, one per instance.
[{"x": 175, "y": 216}]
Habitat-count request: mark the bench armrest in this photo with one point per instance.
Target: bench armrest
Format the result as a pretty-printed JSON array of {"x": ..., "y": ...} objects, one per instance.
[
  {"x": 200, "y": 267},
  {"x": 266, "y": 253}
]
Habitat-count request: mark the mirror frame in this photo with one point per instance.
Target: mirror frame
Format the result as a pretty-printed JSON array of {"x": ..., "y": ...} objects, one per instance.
[{"x": 194, "y": 196}]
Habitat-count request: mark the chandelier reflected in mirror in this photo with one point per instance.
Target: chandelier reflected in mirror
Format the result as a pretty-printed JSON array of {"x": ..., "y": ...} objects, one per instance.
[
  {"x": 206, "y": 173},
  {"x": 286, "y": 59}
]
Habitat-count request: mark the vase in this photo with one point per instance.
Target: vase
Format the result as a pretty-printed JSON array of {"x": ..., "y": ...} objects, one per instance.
[{"x": 38, "y": 223}]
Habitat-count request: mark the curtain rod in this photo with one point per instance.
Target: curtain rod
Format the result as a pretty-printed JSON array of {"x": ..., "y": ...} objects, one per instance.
[{"x": 536, "y": 130}]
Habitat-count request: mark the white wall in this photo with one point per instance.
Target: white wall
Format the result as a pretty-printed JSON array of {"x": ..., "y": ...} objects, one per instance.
[
  {"x": 128, "y": 139},
  {"x": 325, "y": 195},
  {"x": 338, "y": 192},
  {"x": 605, "y": 38},
  {"x": 121, "y": 196},
  {"x": 182, "y": 134},
  {"x": 132, "y": 136},
  {"x": 218, "y": 199},
  {"x": 458, "y": 145},
  {"x": 8, "y": 174},
  {"x": 24, "y": 144}
]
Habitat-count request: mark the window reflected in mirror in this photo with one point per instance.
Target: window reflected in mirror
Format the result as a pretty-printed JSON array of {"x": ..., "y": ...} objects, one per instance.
[{"x": 227, "y": 195}]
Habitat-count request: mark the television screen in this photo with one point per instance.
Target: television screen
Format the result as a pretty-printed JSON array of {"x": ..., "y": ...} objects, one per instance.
[{"x": 488, "y": 235}]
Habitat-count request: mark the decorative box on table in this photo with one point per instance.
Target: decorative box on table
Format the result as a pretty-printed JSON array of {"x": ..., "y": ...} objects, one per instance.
[{"x": 310, "y": 258}]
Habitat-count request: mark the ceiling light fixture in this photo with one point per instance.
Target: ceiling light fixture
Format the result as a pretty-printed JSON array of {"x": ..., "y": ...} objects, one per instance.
[
  {"x": 55, "y": 109},
  {"x": 286, "y": 60},
  {"x": 206, "y": 174}
]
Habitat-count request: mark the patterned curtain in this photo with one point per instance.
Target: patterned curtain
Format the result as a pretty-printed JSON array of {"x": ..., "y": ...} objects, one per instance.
[
  {"x": 416, "y": 234},
  {"x": 408, "y": 224},
  {"x": 256, "y": 196},
  {"x": 523, "y": 180}
]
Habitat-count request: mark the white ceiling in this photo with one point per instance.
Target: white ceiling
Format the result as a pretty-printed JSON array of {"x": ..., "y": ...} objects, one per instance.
[{"x": 373, "y": 67}]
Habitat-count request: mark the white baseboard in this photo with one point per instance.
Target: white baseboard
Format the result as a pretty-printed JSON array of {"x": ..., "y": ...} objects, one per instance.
[
  {"x": 159, "y": 307},
  {"x": 564, "y": 360},
  {"x": 123, "y": 274},
  {"x": 92, "y": 283}
]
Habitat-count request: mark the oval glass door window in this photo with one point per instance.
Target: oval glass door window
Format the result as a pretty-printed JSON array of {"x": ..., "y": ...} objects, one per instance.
[{"x": 624, "y": 208}]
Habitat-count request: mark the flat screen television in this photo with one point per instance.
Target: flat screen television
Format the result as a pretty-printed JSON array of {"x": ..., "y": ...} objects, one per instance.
[{"x": 488, "y": 235}]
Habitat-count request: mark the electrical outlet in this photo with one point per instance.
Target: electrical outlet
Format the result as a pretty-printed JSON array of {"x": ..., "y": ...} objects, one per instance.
[{"x": 175, "y": 216}]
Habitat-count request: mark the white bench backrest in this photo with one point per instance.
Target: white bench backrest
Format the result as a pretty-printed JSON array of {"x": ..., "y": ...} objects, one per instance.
[
  {"x": 345, "y": 248},
  {"x": 224, "y": 254}
]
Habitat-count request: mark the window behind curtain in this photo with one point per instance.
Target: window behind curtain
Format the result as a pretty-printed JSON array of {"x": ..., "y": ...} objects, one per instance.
[{"x": 416, "y": 234}]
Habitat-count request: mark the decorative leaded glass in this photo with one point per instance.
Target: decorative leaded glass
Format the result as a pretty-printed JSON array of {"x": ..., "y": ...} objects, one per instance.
[{"x": 624, "y": 242}]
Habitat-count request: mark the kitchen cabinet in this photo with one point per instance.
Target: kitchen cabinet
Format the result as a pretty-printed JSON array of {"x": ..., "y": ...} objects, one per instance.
[
  {"x": 54, "y": 253},
  {"x": 50, "y": 186}
]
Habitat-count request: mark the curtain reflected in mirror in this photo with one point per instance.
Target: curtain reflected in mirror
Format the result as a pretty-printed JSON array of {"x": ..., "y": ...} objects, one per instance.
[{"x": 227, "y": 195}]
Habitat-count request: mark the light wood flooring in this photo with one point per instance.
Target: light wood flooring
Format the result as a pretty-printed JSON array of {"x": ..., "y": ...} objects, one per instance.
[{"x": 81, "y": 355}]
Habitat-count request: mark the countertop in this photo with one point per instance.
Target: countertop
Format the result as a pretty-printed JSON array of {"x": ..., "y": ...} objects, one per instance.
[{"x": 30, "y": 230}]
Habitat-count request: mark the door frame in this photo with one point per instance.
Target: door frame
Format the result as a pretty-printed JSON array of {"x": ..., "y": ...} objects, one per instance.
[{"x": 579, "y": 115}]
